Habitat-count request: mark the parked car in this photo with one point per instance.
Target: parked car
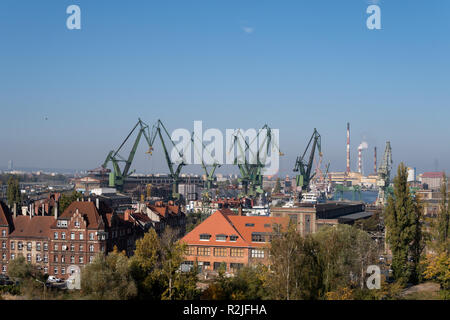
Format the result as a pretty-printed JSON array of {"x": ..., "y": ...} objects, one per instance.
[{"x": 53, "y": 279}]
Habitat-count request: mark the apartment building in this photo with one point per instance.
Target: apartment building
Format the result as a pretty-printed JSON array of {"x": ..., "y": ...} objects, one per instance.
[{"x": 230, "y": 241}]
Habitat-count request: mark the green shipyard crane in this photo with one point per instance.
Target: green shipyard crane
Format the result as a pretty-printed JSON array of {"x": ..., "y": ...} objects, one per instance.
[
  {"x": 117, "y": 176},
  {"x": 252, "y": 173},
  {"x": 304, "y": 168},
  {"x": 384, "y": 176},
  {"x": 208, "y": 168},
  {"x": 157, "y": 131}
]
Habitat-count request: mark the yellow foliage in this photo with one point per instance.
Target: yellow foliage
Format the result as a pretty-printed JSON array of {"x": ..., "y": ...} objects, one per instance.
[{"x": 343, "y": 293}]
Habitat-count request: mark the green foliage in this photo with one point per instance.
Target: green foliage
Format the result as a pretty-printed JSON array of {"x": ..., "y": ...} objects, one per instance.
[
  {"x": 442, "y": 225},
  {"x": 346, "y": 252},
  {"x": 20, "y": 269},
  {"x": 296, "y": 268},
  {"x": 403, "y": 219},
  {"x": 155, "y": 267},
  {"x": 108, "y": 278},
  {"x": 277, "y": 188},
  {"x": 66, "y": 200},
  {"x": 193, "y": 220},
  {"x": 248, "y": 284},
  {"x": 13, "y": 193}
]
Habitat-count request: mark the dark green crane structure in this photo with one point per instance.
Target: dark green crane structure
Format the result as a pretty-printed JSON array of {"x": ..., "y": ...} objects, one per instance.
[
  {"x": 384, "y": 176},
  {"x": 252, "y": 173},
  {"x": 304, "y": 168},
  {"x": 157, "y": 131},
  {"x": 118, "y": 176},
  {"x": 208, "y": 168}
]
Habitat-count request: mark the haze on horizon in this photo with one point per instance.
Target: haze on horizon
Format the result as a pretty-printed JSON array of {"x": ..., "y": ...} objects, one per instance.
[{"x": 68, "y": 97}]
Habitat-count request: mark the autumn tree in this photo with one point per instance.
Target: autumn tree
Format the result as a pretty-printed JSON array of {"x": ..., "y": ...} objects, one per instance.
[
  {"x": 13, "y": 194},
  {"x": 108, "y": 278},
  {"x": 66, "y": 200}
]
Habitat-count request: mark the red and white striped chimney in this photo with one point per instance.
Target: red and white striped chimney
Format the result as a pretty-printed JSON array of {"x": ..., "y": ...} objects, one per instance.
[
  {"x": 348, "y": 147},
  {"x": 360, "y": 159}
]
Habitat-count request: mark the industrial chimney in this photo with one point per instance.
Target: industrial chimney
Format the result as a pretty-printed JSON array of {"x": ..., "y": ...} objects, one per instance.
[{"x": 348, "y": 147}]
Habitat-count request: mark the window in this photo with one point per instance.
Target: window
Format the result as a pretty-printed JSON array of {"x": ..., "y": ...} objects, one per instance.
[
  {"x": 249, "y": 224},
  {"x": 29, "y": 257},
  {"x": 19, "y": 245},
  {"x": 221, "y": 237},
  {"x": 38, "y": 246},
  {"x": 63, "y": 270},
  {"x": 91, "y": 258},
  {"x": 63, "y": 259},
  {"x": 3, "y": 233},
  {"x": 81, "y": 248},
  {"x": 81, "y": 236},
  {"x": 46, "y": 270},
  {"x": 258, "y": 237},
  {"x": 293, "y": 219},
  {"x": 3, "y": 269},
  {"x": 63, "y": 235},
  {"x": 72, "y": 236},
  {"x": 4, "y": 256},
  {"x": 55, "y": 236},
  {"x": 38, "y": 258},
  {"x": 13, "y": 256},
  {"x": 257, "y": 253},
  {"x": 13, "y": 246},
  {"x": 220, "y": 252},
  {"x": 219, "y": 265},
  {"x": 77, "y": 224},
  {"x": 307, "y": 223},
  {"x": 81, "y": 259},
  {"x": 102, "y": 248},
  {"x": 28, "y": 246},
  {"x": 61, "y": 224},
  {"x": 45, "y": 246},
  {"x": 3, "y": 244},
  {"x": 72, "y": 259},
  {"x": 190, "y": 251},
  {"x": 55, "y": 270},
  {"x": 91, "y": 236},
  {"x": 91, "y": 248},
  {"x": 237, "y": 252},
  {"x": 236, "y": 266},
  {"x": 45, "y": 258},
  {"x": 55, "y": 258},
  {"x": 56, "y": 247},
  {"x": 267, "y": 225},
  {"x": 203, "y": 251},
  {"x": 233, "y": 237},
  {"x": 72, "y": 247},
  {"x": 205, "y": 237}
]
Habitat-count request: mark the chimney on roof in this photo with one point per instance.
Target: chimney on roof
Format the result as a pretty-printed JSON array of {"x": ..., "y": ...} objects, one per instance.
[
  {"x": 78, "y": 199},
  {"x": 97, "y": 203},
  {"x": 43, "y": 209},
  {"x": 240, "y": 211},
  {"x": 89, "y": 199},
  {"x": 15, "y": 210},
  {"x": 56, "y": 209}
]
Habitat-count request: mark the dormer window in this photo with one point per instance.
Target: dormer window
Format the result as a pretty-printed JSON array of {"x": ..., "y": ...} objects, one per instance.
[
  {"x": 249, "y": 224},
  {"x": 233, "y": 237},
  {"x": 221, "y": 237},
  {"x": 205, "y": 237},
  {"x": 61, "y": 224},
  {"x": 258, "y": 237}
]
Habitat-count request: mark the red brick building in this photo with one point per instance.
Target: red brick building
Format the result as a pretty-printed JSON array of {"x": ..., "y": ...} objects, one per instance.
[
  {"x": 232, "y": 241},
  {"x": 55, "y": 243}
]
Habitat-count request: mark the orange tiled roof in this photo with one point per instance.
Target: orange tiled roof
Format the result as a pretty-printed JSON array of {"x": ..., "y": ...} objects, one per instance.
[
  {"x": 88, "y": 211},
  {"x": 223, "y": 222}
]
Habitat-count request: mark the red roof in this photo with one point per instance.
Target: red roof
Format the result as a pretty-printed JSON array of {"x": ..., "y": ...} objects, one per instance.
[
  {"x": 222, "y": 222},
  {"x": 88, "y": 211},
  {"x": 5, "y": 215},
  {"x": 35, "y": 227},
  {"x": 433, "y": 175}
]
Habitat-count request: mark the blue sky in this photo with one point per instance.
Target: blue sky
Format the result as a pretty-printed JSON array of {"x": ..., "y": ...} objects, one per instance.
[{"x": 295, "y": 65}]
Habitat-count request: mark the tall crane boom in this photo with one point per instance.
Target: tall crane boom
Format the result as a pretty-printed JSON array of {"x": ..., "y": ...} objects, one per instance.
[
  {"x": 304, "y": 168},
  {"x": 384, "y": 175}
]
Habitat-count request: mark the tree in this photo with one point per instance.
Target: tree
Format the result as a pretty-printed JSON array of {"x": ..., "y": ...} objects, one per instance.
[
  {"x": 155, "y": 267},
  {"x": 66, "y": 200},
  {"x": 442, "y": 225},
  {"x": 13, "y": 194},
  {"x": 19, "y": 268},
  {"x": 296, "y": 270},
  {"x": 346, "y": 252},
  {"x": 403, "y": 218},
  {"x": 108, "y": 278}
]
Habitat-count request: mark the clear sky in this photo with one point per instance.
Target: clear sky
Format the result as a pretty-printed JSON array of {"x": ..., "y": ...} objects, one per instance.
[{"x": 295, "y": 65}]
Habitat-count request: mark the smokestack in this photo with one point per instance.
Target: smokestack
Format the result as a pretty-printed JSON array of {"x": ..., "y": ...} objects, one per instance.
[
  {"x": 348, "y": 147},
  {"x": 359, "y": 159},
  {"x": 375, "y": 160}
]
